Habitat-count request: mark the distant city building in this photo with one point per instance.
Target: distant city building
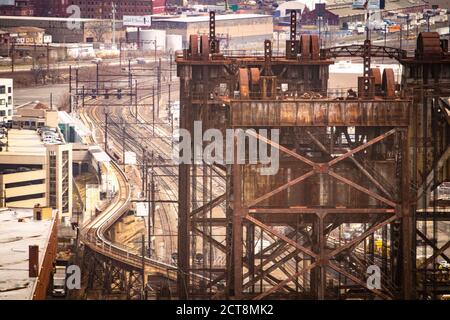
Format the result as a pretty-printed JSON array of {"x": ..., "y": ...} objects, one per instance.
[
  {"x": 319, "y": 14},
  {"x": 61, "y": 31},
  {"x": 6, "y": 99},
  {"x": 234, "y": 30},
  {"x": 26, "y": 35},
  {"x": 17, "y": 7},
  {"x": 99, "y": 9}
]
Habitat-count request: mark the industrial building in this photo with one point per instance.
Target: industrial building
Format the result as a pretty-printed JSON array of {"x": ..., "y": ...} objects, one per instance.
[
  {"x": 237, "y": 30},
  {"x": 27, "y": 35},
  {"x": 6, "y": 99},
  {"x": 36, "y": 163},
  {"x": 345, "y": 12},
  {"x": 66, "y": 30},
  {"x": 29, "y": 246}
]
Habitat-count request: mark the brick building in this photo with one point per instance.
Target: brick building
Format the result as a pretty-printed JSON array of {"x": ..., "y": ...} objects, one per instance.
[
  {"x": 97, "y": 9},
  {"x": 320, "y": 12},
  {"x": 17, "y": 7}
]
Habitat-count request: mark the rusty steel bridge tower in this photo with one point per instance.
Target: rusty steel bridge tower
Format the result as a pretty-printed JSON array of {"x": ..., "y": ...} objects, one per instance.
[{"x": 365, "y": 157}]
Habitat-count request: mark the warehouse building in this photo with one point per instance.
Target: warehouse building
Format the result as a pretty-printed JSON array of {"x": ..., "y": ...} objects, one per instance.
[
  {"x": 67, "y": 30},
  {"x": 237, "y": 30},
  {"x": 343, "y": 9}
]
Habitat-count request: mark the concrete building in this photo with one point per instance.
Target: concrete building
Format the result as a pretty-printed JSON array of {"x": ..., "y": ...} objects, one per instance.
[
  {"x": 6, "y": 99},
  {"x": 238, "y": 29},
  {"x": 67, "y": 30},
  {"x": 28, "y": 272},
  {"x": 36, "y": 165},
  {"x": 28, "y": 35},
  {"x": 343, "y": 9}
]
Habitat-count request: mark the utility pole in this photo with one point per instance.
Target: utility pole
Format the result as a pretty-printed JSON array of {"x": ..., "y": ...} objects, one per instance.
[
  {"x": 96, "y": 79},
  {"x": 136, "y": 99},
  {"x": 158, "y": 83},
  {"x": 152, "y": 197},
  {"x": 143, "y": 265},
  {"x": 120, "y": 54},
  {"x": 70, "y": 90},
  {"x": 170, "y": 67},
  {"x": 151, "y": 206},
  {"x": 155, "y": 107},
  {"x": 106, "y": 130},
  {"x": 123, "y": 145},
  {"x": 144, "y": 170},
  {"x": 34, "y": 54},
  {"x": 34, "y": 62},
  {"x": 48, "y": 58},
  {"x": 139, "y": 44},
  {"x": 13, "y": 51},
  {"x": 114, "y": 24},
  {"x": 82, "y": 95},
  {"x": 129, "y": 73},
  {"x": 153, "y": 111}
]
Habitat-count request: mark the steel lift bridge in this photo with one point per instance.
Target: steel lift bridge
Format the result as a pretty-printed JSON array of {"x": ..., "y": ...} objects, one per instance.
[{"x": 364, "y": 158}]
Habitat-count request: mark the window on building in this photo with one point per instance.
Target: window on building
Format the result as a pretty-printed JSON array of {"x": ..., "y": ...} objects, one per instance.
[
  {"x": 52, "y": 182},
  {"x": 26, "y": 197},
  {"x": 24, "y": 183},
  {"x": 2, "y": 102},
  {"x": 9, "y": 89},
  {"x": 2, "y": 89}
]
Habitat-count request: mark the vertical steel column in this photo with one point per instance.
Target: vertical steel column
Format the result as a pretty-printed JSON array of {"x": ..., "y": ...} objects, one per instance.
[
  {"x": 408, "y": 223},
  {"x": 237, "y": 226},
  {"x": 184, "y": 191}
]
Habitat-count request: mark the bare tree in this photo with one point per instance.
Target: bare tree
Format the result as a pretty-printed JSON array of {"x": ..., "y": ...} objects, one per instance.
[
  {"x": 63, "y": 103},
  {"x": 99, "y": 29}
]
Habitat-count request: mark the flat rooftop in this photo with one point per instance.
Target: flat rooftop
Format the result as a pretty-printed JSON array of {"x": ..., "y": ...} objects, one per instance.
[
  {"x": 15, "y": 238},
  {"x": 24, "y": 141},
  {"x": 223, "y": 17}
]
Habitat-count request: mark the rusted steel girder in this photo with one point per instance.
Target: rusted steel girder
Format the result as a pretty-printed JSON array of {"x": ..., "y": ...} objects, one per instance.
[{"x": 357, "y": 50}]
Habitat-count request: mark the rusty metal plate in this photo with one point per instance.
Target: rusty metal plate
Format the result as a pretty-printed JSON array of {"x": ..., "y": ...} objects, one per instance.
[
  {"x": 376, "y": 73},
  {"x": 305, "y": 42},
  {"x": 256, "y": 75},
  {"x": 429, "y": 45},
  {"x": 193, "y": 45},
  {"x": 244, "y": 83},
  {"x": 205, "y": 46},
  {"x": 315, "y": 47},
  {"x": 388, "y": 83}
]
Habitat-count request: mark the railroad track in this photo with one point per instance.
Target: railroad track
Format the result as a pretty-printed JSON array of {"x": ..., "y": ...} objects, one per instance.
[{"x": 95, "y": 234}]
